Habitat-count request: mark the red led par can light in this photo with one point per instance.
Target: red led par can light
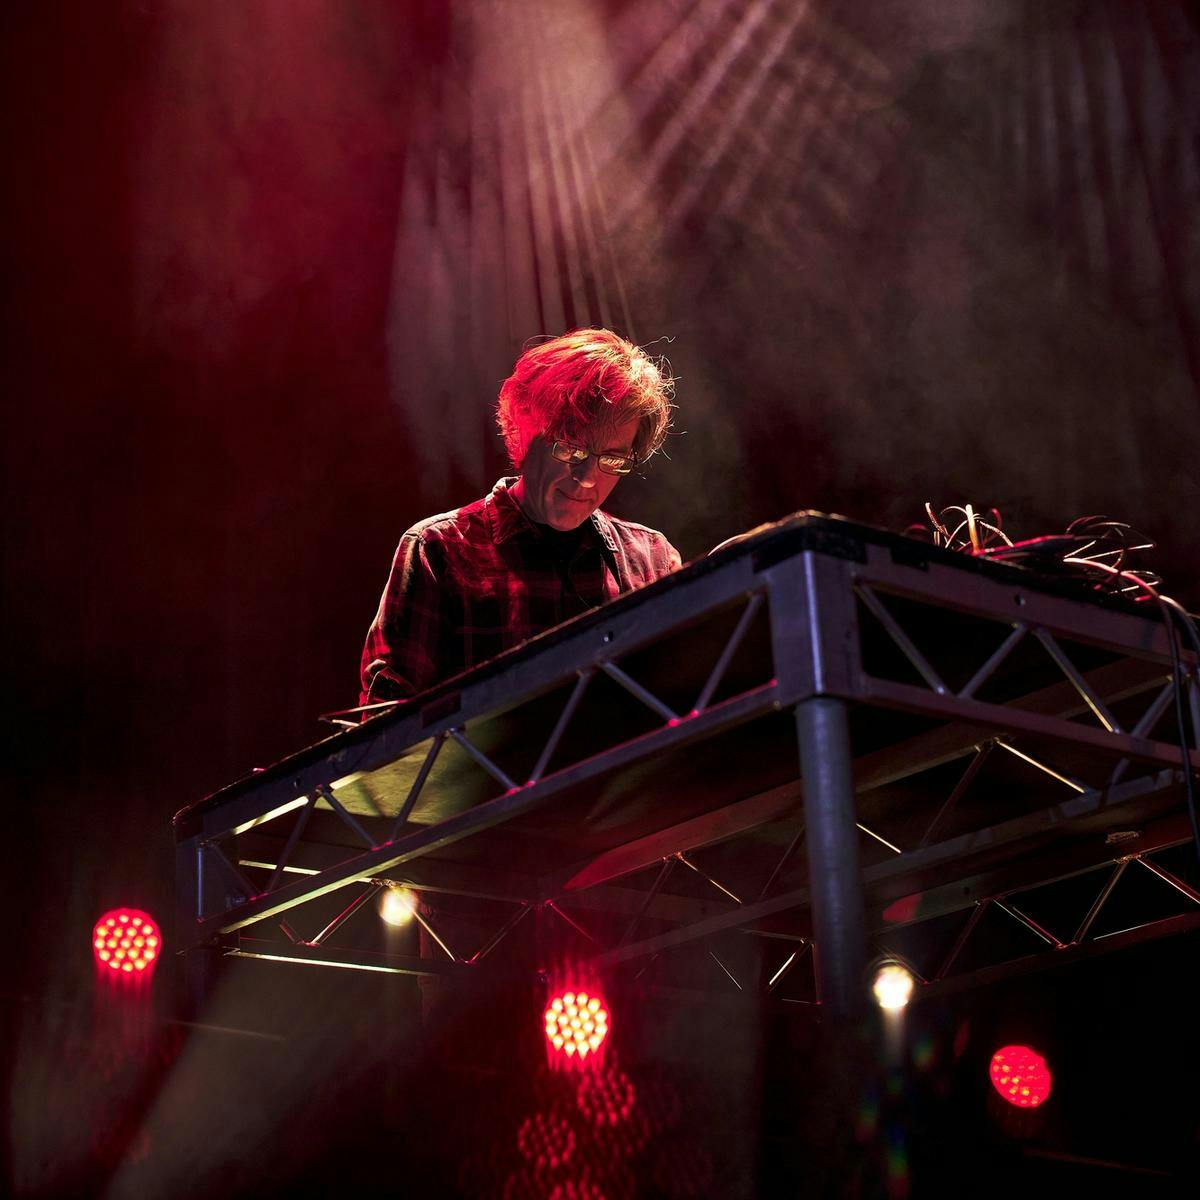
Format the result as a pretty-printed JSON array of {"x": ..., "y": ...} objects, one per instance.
[
  {"x": 126, "y": 942},
  {"x": 577, "y": 1025},
  {"x": 1020, "y": 1075}
]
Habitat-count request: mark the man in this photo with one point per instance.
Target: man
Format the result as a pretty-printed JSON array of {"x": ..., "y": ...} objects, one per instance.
[{"x": 577, "y": 414}]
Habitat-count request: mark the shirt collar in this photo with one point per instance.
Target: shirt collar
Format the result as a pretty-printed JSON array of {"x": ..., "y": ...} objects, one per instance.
[{"x": 508, "y": 520}]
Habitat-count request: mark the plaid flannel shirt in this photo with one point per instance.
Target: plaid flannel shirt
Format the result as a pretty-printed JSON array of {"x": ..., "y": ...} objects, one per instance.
[{"x": 469, "y": 584}]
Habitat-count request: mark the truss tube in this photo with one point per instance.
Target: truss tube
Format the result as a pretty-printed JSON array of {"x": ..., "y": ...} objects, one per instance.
[
  {"x": 1158, "y": 706},
  {"x": 499, "y": 935},
  {"x": 564, "y": 718},
  {"x": 326, "y": 794},
  {"x": 194, "y": 858},
  {"x": 1145, "y": 724},
  {"x": 964, "y": 782},
  {"x": 414, "y": 793},
  {"x": 635, "y": 689},
  {"x": 1014, "y": 720},
  {"x": 998, "y": 656},
  {"x": 959, "y": 942},
  {"x": 832, "y": 845},
  {"x": 1100, "y": 901},
  {"x": 722, "y": 664},
  {"x": 707, "y": 877},
  {"x": 293, "y": 838},
  {"x": 1178, "y": 884},
  {"x": 200, "y": 962},
  {"x": 575, "y": 925},
  {"x": 1025, "y": 919},
  {"x": 713, "y": 955},
  {"x": 345, "y": 914},
  {"x": 788, "y": 963},
  {"x": 1067, "y": 667},
  {"x": 906, "y": 644},
  {"x": 663, "y": 872},
  {"x": 482, "y": 759},
  {"x": 335, "y": 956},
  {"x": 797, "y": 838},
  {"x": 232, "y": 872},
  {"x": 429, "y": 929},
  {"x": 1045, "y": 768}
]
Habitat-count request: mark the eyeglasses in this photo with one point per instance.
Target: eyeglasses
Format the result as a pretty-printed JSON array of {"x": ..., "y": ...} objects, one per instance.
[{"x": 610, "y": 464}]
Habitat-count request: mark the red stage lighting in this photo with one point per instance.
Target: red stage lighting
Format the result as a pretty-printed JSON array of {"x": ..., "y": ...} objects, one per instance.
[
  {"x": 1021, "y": 1076},
  {"x": 546, "y": 1141},
  {"x": 127, "y": 942},
  {"x": 606, "y": 1098},
  {"x": 576, "y": 1024}
]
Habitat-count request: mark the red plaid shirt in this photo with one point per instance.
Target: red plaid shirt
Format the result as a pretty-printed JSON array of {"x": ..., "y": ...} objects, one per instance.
[{"x": 469, "y": 584}]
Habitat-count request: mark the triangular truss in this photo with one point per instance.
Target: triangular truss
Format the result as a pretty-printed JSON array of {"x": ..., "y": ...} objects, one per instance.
[{"x": 634, "y": 775}]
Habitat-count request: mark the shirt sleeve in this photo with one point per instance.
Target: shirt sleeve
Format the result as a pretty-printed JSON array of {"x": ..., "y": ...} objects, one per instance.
[{"x": 400, "y": 656}]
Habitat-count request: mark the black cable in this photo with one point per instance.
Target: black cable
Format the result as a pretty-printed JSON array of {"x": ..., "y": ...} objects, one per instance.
[{"x": 1179, "y": 689}]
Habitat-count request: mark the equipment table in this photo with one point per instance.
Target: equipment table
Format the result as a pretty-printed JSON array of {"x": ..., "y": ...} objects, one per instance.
[{"x": 820, "y": 735}]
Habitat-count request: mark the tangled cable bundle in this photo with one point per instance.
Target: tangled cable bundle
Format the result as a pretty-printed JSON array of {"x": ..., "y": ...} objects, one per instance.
[{"x": 1098, "y": 550}]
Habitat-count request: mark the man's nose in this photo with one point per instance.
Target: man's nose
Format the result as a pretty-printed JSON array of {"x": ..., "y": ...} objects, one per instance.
[{"x": 586, "y": 471}]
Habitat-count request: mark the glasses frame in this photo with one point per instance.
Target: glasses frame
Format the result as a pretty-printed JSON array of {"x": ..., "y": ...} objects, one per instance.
[{"x": 569, "y": 452}]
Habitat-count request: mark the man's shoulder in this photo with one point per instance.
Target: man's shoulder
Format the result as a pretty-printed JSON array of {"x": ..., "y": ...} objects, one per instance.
[
  {"x": 647, "y": 553},
  {"x": 632, "y": 531},
  {"x": 455, "y": 524}
]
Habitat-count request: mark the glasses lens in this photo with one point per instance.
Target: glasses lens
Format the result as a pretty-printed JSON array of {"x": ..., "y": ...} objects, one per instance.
[
  {"x": 611, "y": 464},
  {"x": 568, "y": 453},
  {"x": 615, "y": 464}
]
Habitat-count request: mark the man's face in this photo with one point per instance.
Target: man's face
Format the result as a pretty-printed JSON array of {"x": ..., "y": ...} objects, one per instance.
[{"x": 563, "y": 495}]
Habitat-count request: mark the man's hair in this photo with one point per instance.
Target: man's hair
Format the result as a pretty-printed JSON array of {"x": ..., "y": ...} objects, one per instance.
[{"x": 584, "y": 379}]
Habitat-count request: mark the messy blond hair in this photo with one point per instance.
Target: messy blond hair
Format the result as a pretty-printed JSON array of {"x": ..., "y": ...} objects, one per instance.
[{"x": 581, "y": 380}]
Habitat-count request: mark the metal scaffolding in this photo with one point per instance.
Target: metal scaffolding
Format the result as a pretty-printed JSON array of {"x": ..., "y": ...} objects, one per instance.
[{"x": 945, "y": 739}]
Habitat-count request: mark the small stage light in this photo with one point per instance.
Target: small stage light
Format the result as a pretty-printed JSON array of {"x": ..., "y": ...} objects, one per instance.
[
  {"x": 127, "y": 942},
  {"x": 576, "y": 1024},
  {"x": 893, "y": 986},
  {"x": 398, "y": 905},
  {"x": 1021, "y": 1076}
]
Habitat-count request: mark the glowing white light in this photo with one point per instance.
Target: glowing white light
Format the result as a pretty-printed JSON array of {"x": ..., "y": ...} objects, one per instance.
[
  {"x": 398, "y": 905},
  {"x": 893, "y": 986}
]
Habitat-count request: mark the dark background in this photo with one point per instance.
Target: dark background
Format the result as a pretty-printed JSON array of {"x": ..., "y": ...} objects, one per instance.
[{"x": 266, "y": 264}]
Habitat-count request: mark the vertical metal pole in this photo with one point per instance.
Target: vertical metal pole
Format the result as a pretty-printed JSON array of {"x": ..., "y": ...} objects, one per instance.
[
  {"x": 197, "y": 966},
  {"x": 835, "y": 883}
]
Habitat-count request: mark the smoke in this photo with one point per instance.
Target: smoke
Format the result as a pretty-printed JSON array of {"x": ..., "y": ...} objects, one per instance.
[{"x": 876, "y": 244}]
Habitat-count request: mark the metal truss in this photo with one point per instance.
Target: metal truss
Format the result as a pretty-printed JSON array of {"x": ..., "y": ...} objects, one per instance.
[{"x": 587, "y": 775}]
